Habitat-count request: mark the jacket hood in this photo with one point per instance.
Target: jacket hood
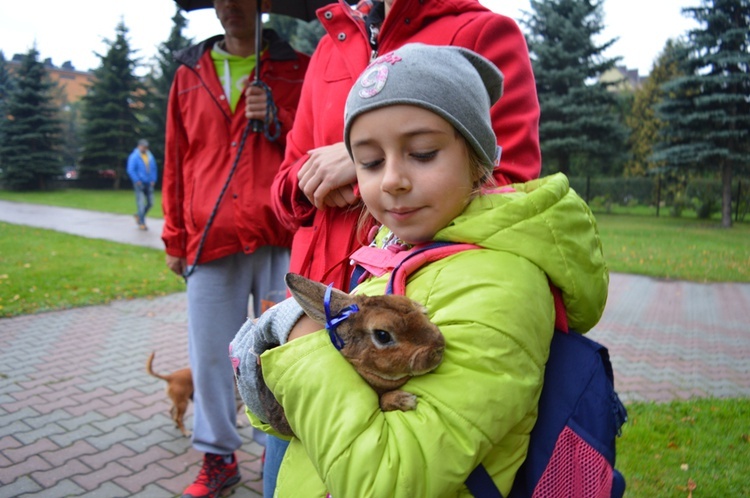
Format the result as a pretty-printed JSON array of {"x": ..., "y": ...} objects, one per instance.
[
  {"x": 278, "y": 49},
  {"x": 546, "y": 222},
  {"x": 412, "y": 16},
  {"x": 428, "y": 9}
]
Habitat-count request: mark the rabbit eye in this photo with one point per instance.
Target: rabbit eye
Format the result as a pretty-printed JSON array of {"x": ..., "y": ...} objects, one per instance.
[{"x": 383, "y": 337}]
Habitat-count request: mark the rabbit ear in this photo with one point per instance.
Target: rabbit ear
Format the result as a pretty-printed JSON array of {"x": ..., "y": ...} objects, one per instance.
[{"x": 309, "y": 294}]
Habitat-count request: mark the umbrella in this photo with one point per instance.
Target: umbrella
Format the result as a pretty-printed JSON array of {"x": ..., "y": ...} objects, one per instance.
[{"x": 300, "y": 9}]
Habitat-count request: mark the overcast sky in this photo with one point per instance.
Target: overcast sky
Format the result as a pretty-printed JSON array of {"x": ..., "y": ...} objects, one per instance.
[{"x": 74, "y": 30}]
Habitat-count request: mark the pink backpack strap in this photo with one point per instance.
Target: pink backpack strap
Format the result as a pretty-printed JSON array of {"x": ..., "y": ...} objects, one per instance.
[
  {"x": 378, "y": 261},
  {"x": 561, "y": 317},
  {"x": 419, "y": 256}
]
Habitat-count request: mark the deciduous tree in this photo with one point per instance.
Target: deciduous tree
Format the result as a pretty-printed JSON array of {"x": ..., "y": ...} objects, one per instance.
[{"x": 642, "y": 120}]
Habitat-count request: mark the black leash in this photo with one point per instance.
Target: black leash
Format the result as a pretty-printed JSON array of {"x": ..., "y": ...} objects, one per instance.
[{"x": 271, "y": 117}]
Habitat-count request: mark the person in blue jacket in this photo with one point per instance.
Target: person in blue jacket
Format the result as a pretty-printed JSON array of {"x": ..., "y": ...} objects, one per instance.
[{"x": 143, "y": 174}]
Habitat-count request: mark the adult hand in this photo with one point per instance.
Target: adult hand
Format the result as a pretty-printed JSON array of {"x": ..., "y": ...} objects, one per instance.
[
  {"x": 256, "y": 102},
  {"x": 327, "y": 178},
  {"x": 177, "y": 265}
]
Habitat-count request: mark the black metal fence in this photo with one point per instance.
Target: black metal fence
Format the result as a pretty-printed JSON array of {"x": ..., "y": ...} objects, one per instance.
[
  {"x": 666, "y": 196},
  {"x": 661, "y": 195}
]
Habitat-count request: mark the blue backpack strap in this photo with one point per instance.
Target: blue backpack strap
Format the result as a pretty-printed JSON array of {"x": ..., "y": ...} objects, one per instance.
[
  {"x": 481, "y": 485},
  {"x": 479, "y": 482},
  {"x": 356, "y": 275}
]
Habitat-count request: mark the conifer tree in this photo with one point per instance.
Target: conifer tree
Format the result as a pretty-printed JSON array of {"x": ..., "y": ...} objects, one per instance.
[
  {"x": 303, "y": 36},
  {"x": 5, "y": 84},
  {"x": 5, "y": 79},
  {"x": 580, "y": 129},
  {"x": 158, "y": 83},
  {"x": 70, "y": 115},
  {"x": 110, "y": 107},
  {"x": 707, "y": 111},
  {"x": 30, "y": 128}
]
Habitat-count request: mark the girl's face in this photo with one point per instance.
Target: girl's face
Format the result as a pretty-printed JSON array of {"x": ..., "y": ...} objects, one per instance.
[{"x": 412, "y": 169}]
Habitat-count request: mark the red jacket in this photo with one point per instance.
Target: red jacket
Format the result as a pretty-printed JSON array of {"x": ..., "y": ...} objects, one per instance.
[
  {"x": 202, "y": 139},
  {"x": 324, "y": 239}
]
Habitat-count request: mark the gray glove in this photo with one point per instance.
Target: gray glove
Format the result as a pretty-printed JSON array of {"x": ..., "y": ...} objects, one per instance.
[{"x": 271, "y": 330}]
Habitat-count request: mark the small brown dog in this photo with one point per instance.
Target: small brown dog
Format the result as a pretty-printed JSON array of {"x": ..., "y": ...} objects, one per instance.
[
  {"x": 179, "y": 389},
  {"x": 389, "y": 340}
]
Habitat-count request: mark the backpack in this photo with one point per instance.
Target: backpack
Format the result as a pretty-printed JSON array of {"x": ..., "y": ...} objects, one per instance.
[{"x": 572, "y": 446}]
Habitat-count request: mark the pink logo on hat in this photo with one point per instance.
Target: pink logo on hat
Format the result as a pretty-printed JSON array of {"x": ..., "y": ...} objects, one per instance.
[
  {"x": 373, "y": 81},
  {"x": 374, "y": 78}
]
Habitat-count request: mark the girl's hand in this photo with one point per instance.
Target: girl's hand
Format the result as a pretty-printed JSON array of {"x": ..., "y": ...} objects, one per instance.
[
  {"x": 327, "y": 177},
  {"x": 305, "y": 325}
]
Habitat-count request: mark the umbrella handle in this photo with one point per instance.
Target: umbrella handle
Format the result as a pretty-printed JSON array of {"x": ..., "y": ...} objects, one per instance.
[
  {"x": 271, "y": 121},
  {"x": 257, "y": 124}
]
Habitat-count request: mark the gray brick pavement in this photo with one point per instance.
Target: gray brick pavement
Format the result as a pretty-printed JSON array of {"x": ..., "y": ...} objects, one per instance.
[{"x": 79, "y": 414}]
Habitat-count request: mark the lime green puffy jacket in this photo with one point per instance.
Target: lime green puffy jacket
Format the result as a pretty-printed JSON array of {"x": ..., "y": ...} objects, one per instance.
[{"x": 496, "y": 311}]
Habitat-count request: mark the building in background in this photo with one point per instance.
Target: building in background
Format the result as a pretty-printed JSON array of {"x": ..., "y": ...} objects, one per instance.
[
  {"x": 623, "y": 79},
  {"x": 73, "y": 84}
]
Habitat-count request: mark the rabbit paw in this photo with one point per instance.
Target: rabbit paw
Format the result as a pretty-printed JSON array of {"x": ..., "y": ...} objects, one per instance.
[{"x": 398, "y": 400}]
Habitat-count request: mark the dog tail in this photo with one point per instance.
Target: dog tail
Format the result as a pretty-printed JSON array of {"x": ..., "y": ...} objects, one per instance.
[{"x": 150, "y": 371}]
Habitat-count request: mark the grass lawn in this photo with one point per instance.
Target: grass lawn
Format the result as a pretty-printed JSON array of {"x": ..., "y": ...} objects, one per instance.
[
  {"x": 42, "y": 270},
  {"x": 664, "y": 447},
  {"x": 107, "y": 201},
  {"x": 676, "y": 248}
]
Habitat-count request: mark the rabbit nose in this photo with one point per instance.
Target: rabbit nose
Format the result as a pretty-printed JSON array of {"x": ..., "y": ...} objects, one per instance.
[{"x": 426, "y": 359}]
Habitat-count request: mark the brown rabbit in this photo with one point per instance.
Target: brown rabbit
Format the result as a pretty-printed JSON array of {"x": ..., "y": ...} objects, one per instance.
[{"x": 388, "y": 341}]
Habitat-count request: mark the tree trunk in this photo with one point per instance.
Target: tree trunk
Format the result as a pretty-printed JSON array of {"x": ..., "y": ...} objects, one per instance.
[
  {"x": 726, "y": 195},
  {"x": 565, "y": 164}
]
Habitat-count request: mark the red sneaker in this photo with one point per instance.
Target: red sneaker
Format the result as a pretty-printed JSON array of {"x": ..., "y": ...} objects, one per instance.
[{"x": 215, "y": 475}]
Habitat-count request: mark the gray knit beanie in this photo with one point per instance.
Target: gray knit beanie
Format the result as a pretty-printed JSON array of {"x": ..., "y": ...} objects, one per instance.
[{"x": 457, "y": 84}]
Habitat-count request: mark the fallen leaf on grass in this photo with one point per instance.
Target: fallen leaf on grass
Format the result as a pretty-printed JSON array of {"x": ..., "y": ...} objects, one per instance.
[{"x": 689, "y": 488}]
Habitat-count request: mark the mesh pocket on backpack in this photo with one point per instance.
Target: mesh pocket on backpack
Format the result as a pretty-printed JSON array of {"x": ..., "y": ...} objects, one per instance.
[{"x": 575, "y": 469}]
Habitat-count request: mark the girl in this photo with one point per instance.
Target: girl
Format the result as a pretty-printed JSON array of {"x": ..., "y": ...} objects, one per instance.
[{"x": 418, "y": 127}]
